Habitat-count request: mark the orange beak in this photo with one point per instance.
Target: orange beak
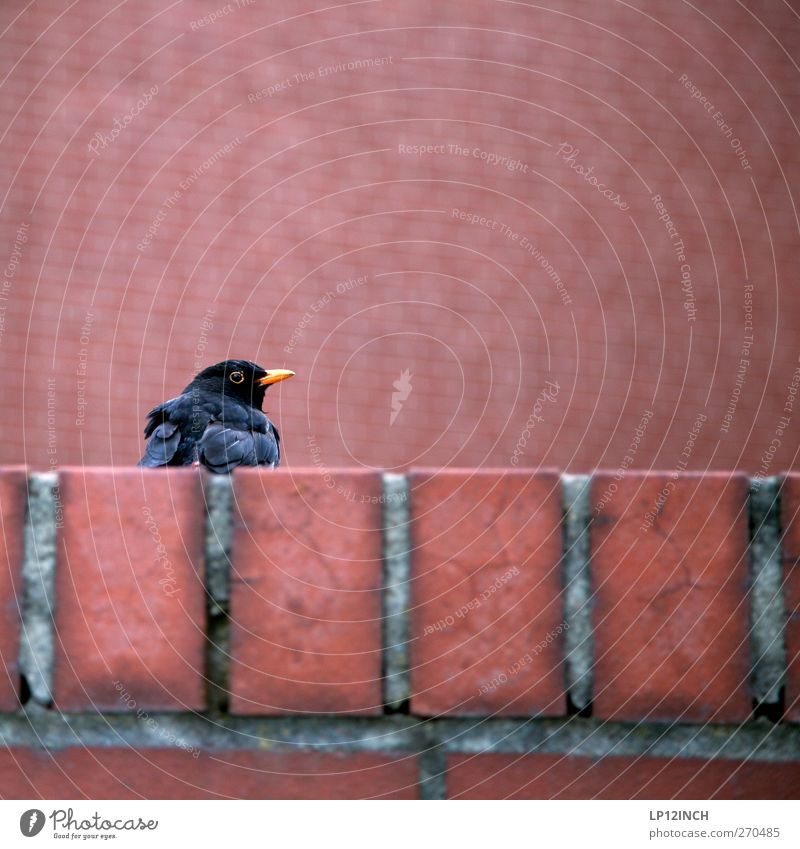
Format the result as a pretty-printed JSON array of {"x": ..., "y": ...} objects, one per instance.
[{"x": 274, "y": 375}]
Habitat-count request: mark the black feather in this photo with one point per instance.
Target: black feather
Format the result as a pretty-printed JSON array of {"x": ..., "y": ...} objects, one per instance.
[
  {"x": 222, "y": 448},
  {"x": 215, "y": 423},
  {"x": 161, "y": 446}
]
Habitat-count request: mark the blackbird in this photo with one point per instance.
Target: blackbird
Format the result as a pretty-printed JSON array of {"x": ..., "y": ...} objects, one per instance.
[{"x": 216, "y": 421}]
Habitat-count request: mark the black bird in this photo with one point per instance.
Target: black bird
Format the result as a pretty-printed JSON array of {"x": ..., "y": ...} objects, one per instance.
[{"x": 216, "y": 421}]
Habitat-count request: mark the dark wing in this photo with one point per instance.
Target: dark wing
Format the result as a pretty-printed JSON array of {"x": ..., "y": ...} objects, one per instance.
[
  {"x": 169, "y": 444},
  {"x": 223, "y": 447},
  {"x": 162, "y": 445}
]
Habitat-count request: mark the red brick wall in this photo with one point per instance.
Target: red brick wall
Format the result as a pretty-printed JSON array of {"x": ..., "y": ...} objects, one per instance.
[
  {"x": 302, "y": 657},
  {"x": 314, "y": 190}
]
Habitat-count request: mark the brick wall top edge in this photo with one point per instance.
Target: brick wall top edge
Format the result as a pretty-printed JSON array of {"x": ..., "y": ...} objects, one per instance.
[
  {"x": 414, "y": 470},
  {"x": 308, "y": 470},
  {"x": 188, "y": 469},
  {"x": 640, "y": 474},
  {"x": 123, "y": 470},
  {"x": 426, "y": 471}
]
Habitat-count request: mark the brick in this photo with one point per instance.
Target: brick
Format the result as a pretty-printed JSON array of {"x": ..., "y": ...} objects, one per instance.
[
  {"x": 128, "y": 610},
  {"x": 124, "y": 773},
  {"x": 13, "y": 495},
  {"x": 790, "y": 522},
  {"x": 503, "y": 776},
  {"x": 305, "y": 592},
  {"x": 486, "y": 593},
  {"x": 670, "y": 601}
]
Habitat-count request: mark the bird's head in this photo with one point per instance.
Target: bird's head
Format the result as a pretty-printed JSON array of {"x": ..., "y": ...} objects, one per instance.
[{"x": 240, "y": 379}]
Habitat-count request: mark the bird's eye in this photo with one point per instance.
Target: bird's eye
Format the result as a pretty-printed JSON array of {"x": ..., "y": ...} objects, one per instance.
[{"x": 236, "y": 377}]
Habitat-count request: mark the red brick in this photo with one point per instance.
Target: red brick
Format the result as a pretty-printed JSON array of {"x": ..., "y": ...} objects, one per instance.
[
  {"x": 118, "y": 773},
  {"x": 305, "y": 593},
  {"x": 126, "y": 610},
  {"x": 13, "y": 495},
  {"x": 670, "y": 601},
  {"x": 474, "y": 620},
  {"x": 495, "y": 776},
  {"x": 790, "y": 522}
]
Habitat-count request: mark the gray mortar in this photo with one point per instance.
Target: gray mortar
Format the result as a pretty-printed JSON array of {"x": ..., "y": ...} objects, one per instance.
[
  {"x": 432, "y": 774},
  {"x": 578, "y": 639},
  {"x": 758, "y": 740},
  {"x": 218, "y": 493},
  {"x": 218, "y": 490},
  {"x": 432, "y": 763},
  {"x": 38, "y": 578},
  {"x": 396, "y": 589},
  {"x": 766, "y": 592}
]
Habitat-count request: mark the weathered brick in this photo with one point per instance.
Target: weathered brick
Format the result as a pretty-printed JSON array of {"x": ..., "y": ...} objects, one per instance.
[
  {"x": 130, "y": 603},
  {"x": 13, "y": 493},
  {"x": 486, "y": 591},
  {"x": 502, "y": 776},
  {"x": 305, "y": 593},
  {"x": 671, "y": 612},
  {"x": 790, "y": 522},
  {"x": 121, "y": 773}
]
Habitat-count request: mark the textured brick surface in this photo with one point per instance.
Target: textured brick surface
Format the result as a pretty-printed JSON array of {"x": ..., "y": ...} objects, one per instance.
[
  {"x": 162, "y": 774},
  {"x": 318, "y": 192},
  {"x": 13, "y": 493},
  {"x": 790, "y": 521},
  {"x": 670, "y": 604},
  {"x": 486, "y": 593},
  {"x": 564, "y": 777},
  {"x": 130, "y": 604},
  {"x": 305, "y": 593}
]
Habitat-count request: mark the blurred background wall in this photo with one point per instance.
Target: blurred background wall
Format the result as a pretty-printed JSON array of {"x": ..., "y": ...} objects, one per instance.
[{"x": 562, "y": 233}]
